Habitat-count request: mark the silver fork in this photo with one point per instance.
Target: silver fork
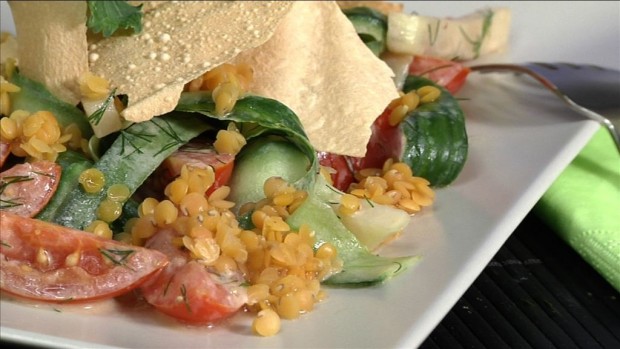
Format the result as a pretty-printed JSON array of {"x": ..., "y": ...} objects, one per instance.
[{"x": 584, "y": 88}]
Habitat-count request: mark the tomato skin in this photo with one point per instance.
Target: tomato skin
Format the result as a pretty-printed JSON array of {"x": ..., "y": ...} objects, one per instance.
[
  {"x": 5, "y": 151},
  {"x": 223, "y": 172},
  {"x": 34, "y": 256},
  {"x": 449, "y": 74},
  {"x": 197, "y": 154},
  {"x": 186, "y": 290},
  {"x": 343, "y": 175},
  {"x": 385, "y": 142},
  {"x": 28, "y": 197}
]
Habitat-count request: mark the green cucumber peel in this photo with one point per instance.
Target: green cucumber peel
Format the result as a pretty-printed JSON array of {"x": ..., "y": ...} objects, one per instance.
[
  {"x": 137, "y": 151},
  {"x": 72, "y": 164},
  {"x": 436, "y": 143},
  {"x": 258, "y": 117},
  {"x": 360, "y": 266},
  {"x": 264, "y": 158},
  {"x": 371, "y": 27},
  {"x": 34, "y": 97}
]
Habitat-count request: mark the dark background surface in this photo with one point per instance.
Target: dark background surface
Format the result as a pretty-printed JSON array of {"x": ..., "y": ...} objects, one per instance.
[{"x": 535, "y": 293}]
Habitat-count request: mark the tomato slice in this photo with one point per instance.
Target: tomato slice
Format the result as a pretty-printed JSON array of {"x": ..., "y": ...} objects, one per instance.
[
  {"x": 195, "y": 154},
  {"x": 5, "y": 151},
  {"x": 26, "y": 188},
  {"x": 187, "y": 290},
  {"x": 385, "y": 142},
  {"x": 449, "y": 74},
  {"x": 49, "y": 262},
  {"x": 342, "y": 176}
]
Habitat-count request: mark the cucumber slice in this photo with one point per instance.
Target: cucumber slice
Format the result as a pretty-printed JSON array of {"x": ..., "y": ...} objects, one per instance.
[
  {"x": 34, "y": 97},
  {"x": 370, "y": 25},
  {"x": 436, "y": 142},
  {"x": 133, "y": 156},
  {"x": 360, "y": 266},
  {"x": 72, "y": 165},
  {"x": 261, "y": 160}
]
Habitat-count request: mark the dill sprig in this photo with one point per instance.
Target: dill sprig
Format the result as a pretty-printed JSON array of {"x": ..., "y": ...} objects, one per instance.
[
  {"x": 4, "y": 183},
  {"x": 118, "y": 257},
  {"x": 97, "y": 115},
  {"x": 486, "y": 25},
  {"x": 185, "y": 300},
  {"x": 128, "y": 135},
  {"x": 432, "y": 35},
  {"x": 169, "y": 131}
]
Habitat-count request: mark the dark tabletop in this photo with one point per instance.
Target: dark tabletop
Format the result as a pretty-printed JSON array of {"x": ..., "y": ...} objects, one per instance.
[{"x": 535, "y": 293}]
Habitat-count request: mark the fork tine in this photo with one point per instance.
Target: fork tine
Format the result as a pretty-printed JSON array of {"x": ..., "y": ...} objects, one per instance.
[
  {"x": 557, "y": 66},
  {"x": 591, "y": 86}
]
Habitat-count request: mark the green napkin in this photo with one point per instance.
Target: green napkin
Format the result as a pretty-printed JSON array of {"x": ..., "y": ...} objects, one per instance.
[{"x": 583, "y": 206}]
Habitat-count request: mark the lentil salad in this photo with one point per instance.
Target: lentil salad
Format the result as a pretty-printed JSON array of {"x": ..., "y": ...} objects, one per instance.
[{"x": 275, "y": 221}]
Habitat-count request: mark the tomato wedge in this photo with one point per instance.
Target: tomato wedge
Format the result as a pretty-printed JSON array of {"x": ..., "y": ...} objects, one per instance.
[
  {"x": 5, "y": 151},
  {"x": 449, "y": 74},
  {"x": 385, "y": 142},
  {"x": 196, "y": 154},
  {"x": 26, "y": 188},
  {"x": 49, "y": 262},
  {"x": 187, "y": 290},
  {"x": 342, "y": 176}
]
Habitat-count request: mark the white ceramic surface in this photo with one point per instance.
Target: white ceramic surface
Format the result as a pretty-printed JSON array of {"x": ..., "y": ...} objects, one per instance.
[{"x": 520, "y": 140}]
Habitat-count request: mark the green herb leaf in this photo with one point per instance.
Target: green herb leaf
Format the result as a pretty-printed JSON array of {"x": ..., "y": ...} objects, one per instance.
[
  {"x": 107, "y": 17},
  {"x": 117, "y": 257},
  {"x": 486, "y": 26},
  {"x": 185, "y": 300},
  {"x": 4, "y": 183}
]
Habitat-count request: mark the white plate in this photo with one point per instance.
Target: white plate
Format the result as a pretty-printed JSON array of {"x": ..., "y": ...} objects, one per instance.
[{"x": 520, "y": 140}]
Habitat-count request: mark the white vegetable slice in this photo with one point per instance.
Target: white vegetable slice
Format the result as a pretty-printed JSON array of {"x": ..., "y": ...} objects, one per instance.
[
  {"x": 374, "y": 226},
  {"x": 483, "y": 32},
  {"x": 110, "y": 120}
]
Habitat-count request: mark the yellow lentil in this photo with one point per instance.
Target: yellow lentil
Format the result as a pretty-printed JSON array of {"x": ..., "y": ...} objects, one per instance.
[
  {"x": 428, "y": 94},
  {"x": 193, "y": 204},
  {"x": 100, "y": 228},
  {"x": 229, "y": 141},
  {"x": 9, "y": 129},
  {"x": 176, "y": 190},
  {"x": 147, "y": 207},
  {"x": 165, "y": 213},
  {"x": 94, "y": 87},
  {"x": 394, "y": 184},
  {"x": 118, "y": 192},
  {"x": 92, "y": 180},
  {"x": 108, "y": 210},
  {"x": 267, "y": 323}
]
